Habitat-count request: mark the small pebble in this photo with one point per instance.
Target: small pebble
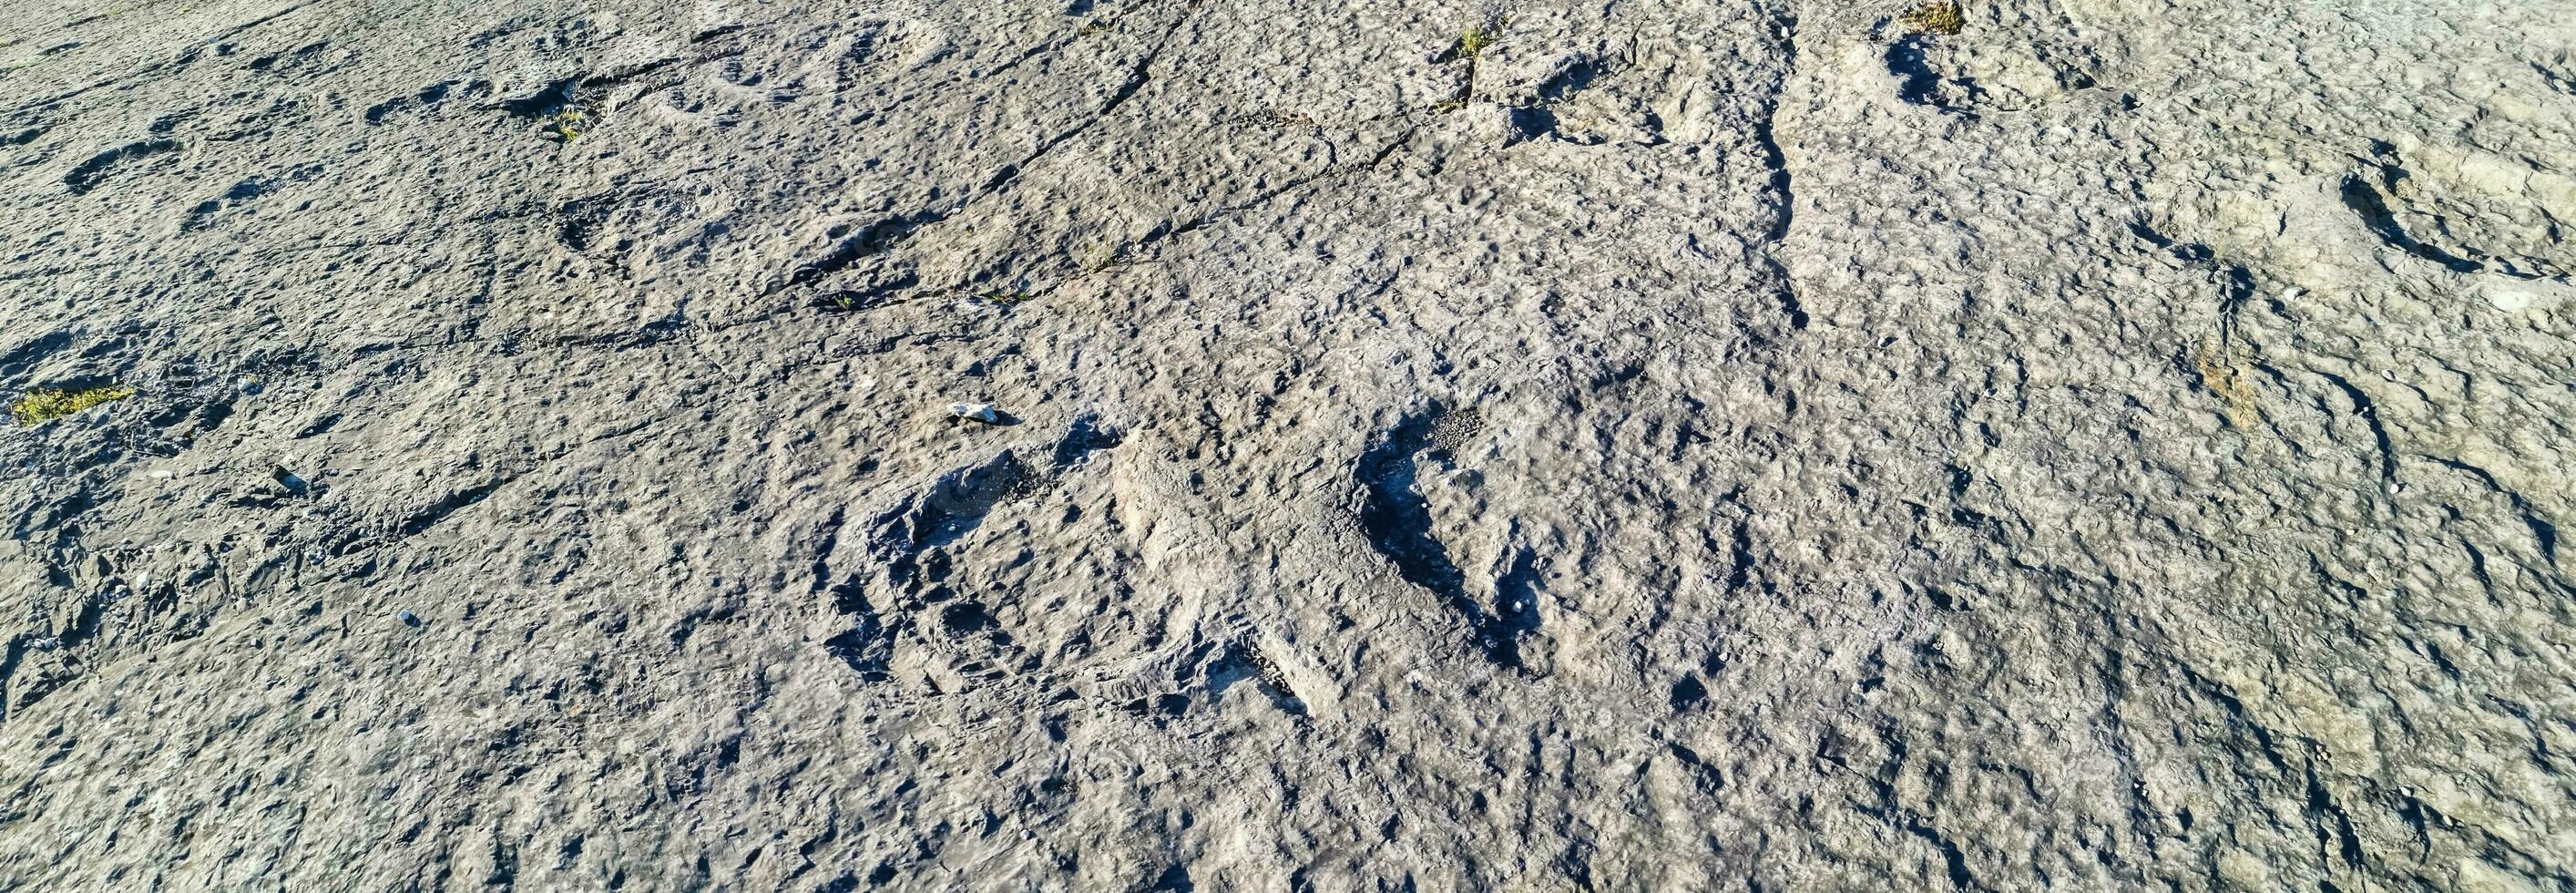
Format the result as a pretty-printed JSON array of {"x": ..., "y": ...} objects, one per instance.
[{"x": 408, "y": 618}]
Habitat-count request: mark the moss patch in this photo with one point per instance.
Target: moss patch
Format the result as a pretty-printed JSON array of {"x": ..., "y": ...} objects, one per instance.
[
  {"x": 46, "y": 404},
  {"x": 1936, "y": 17},
  {"x": 568, "y": 126}
]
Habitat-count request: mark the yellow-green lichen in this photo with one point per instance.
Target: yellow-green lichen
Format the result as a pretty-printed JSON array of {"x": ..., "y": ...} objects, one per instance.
[
  {"x": 47, "y": 404},
  {"x": 1474, "y": 41},
  {"x": 1936, "y": 17},
  {"x": 568, "y": 125}
]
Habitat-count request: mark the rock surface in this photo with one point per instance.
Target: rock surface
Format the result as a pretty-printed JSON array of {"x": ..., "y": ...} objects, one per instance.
[{"x": 1647, "y": 446}]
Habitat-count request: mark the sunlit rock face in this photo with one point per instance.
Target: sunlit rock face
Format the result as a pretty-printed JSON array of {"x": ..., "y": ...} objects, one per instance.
[{"x": 2088, "y": 444}]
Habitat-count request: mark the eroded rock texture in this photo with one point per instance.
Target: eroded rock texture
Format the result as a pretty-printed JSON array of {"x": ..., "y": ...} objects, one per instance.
[{"x": 1642, "y": 446}]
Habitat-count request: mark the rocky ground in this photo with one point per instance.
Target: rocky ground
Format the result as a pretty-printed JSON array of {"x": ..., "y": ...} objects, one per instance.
[{"x": 1636, "y": 445}]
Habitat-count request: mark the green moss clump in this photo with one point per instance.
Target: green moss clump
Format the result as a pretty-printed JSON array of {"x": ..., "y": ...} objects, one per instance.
[
  {"x": 1936, "y": 17},
  {"x": 1478, "y": 37},
  {"x": 47, "y": 404},
  {"x": 568, "y": 126}
]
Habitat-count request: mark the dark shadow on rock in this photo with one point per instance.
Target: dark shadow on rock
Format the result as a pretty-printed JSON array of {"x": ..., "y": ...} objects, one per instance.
[{"x": 1398, "y": 524}]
